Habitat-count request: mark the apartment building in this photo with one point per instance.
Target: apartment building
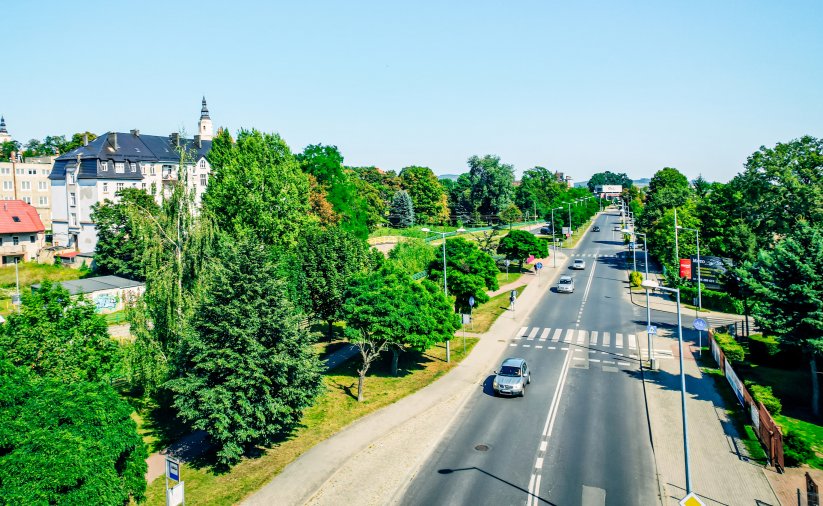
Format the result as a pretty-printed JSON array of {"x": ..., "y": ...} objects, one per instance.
[
  {"x": 29, "y": 181},
  {"x": 117, "y": 160},
  {"x": 22, "y": 234}
]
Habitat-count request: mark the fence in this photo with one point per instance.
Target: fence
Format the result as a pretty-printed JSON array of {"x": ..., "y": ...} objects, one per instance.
[{"x": 764, "y": 426}]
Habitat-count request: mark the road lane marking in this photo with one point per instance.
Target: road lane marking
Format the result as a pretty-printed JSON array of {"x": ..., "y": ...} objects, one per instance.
[
  {"x": 632, "y": 342},
  {"x": 533, "y": 333},
  {"x": 623, "y": 363},
  {"x": 618, "y": 340},
  {"x": 539, "y": 463},
  {"x": 593, "y": 496},
  {"x": 593, "y": 338},
  {"x": 539, "y": 347},
  {"x": 531, "y": 499},
  {"x": 552, "y": 347},
  {"x": 609, "y": 362},
  {"x": 513, "y": 344},
  {"x": 594, "y": 360},
  {"x": 543, "y": 445},
  {"x": 564, "y": 372},
  {"x": 569, "y": 336},
  {"x": 522, "y": 331},
  {"x": 527, "y": 346},
  {"x": 545, "y": 334},
  {"x": 606, "y": 339},
  {"x": 556, "y": 336},
  {"x": 581, "y": 337},
  {"x": 579, "y": 358}
]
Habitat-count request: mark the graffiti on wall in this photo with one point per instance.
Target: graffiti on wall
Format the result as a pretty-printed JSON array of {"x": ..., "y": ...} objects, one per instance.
[{"x": 105, "y": 302}]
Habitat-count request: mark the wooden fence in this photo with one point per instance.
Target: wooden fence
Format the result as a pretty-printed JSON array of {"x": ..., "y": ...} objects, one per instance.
[{"x": 764, "y": 426}]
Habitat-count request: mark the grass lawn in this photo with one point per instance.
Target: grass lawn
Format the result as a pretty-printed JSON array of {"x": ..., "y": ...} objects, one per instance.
[
  {"x": 335, "y": 409},
  {"x": 30, "y": 273},
  {"x": 808, "y": 431},
  {"x": 486, "y": 314},
  {"x": 512, "y": 277}
]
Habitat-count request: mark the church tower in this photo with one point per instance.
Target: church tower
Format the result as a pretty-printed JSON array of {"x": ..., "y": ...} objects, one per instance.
[
  {"x": 204, "y": 126},
  {"x": 4, "y": 134}
]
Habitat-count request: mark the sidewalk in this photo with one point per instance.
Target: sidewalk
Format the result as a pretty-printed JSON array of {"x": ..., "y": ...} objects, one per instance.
[{"x": 375, "y": 458}]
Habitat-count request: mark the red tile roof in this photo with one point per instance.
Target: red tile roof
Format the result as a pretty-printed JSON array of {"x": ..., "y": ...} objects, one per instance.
[{"x": 26, "y": 216}]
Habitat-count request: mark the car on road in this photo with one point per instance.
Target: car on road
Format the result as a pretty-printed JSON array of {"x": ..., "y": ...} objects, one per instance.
[
  {"x": 579, "y": 264},
  {"x": 595, "y": 229},
  {"x": 512, "y": 377},
  {"x": 565, "y": 284},
  {"x": 546, "y": 230}
]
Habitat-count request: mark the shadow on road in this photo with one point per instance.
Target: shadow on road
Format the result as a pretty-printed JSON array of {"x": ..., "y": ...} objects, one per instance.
[{"x": 473, "y": 468}]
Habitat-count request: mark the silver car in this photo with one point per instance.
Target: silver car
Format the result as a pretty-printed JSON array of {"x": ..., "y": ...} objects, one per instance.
[
  {"x": 565, "y": 284},
  {"x": 579, "y": 264},
  {"x": 512, "y": 377}
]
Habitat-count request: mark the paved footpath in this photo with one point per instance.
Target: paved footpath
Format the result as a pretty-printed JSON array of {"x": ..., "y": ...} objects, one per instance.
[{"x": 374, "y": 459}]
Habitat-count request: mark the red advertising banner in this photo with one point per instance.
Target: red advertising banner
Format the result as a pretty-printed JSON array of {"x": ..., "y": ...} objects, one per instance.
[{"x": 685, "y": 268}]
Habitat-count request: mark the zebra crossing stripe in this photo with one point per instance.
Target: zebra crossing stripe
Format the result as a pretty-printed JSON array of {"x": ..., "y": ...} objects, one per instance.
[
  {"x": 545, "y": 334},
  {"x": 581, "y": 337},
  {"x": 606, "y": 339},
  {"x": 522, "y": 331},
  {"x": 632, "y": 342},
  {"x": 618, "y": 340},
  {"x": 533, "y": 333},
  {"x": 569, "y": 336},
  {"x": 556, "y": 336},
  {"x": 593, "y": 338}
]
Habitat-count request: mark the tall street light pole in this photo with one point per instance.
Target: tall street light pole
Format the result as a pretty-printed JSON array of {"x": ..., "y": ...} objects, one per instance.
[
  {"x": 656, "y": 286},
  {"x": 676, "y": 247},
  {"x": 648, "y": 308},
  {"x": 445, "y": 285},
  {"x": 554, "y": 235},
  {"x": 570, "y": 218}
]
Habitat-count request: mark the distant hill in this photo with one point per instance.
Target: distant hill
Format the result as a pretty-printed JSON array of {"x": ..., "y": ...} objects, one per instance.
[{"x": 453, "y": 177}]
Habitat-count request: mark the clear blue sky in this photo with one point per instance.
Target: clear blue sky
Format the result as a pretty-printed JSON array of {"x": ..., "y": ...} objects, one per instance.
[{"x": 579, "y": 87}]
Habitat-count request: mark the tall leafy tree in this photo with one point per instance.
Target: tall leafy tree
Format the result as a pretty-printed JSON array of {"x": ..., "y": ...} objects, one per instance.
[
  {"x": 248, "y": 367},
  {"x": 401, "y": 214},
  {"x": 330, "y": 257},
  {"x": 7, "y": 148},
  {"x": 385, "y": 310},
  {"x": 326, "y": 164},
  {"x": 257, "y": 185},
  {"x": 59, "y": 336},
  {"x": 511, "y": 214},
  {"x": 609, "y": 178},
  {"x": 787, "y": 284},
  {"x": 492, "y": 184},
  {"x": 66, "y": 442},
  {"x": 412, "y": 256},
  {"x": 427, "y": 194},
  {"x": 538, "y": 187},
  {"x": 469, "y": 272},
  {"x": 519, "y": 244},
  {"x": 119, "y": 248}
]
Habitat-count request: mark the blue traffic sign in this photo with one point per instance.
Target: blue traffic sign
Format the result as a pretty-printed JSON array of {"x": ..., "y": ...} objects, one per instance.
[
  {"x": 652, "y": 330},
  {"x": 172, "y": 470},
  {"x": 700, "y": 324},
  {"x": 471, "y": 301},
  {"x": 538, "y": 265}
]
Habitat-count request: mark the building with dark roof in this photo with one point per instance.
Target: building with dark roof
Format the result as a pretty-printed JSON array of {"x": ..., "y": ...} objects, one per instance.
[
  {"x": 116, "y": 160},
  {"x": 108, "y": 293},
  {"x": 22, "y": 234}
]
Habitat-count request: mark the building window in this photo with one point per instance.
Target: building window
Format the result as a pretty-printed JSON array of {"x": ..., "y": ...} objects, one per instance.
[
  {"x": 119, "y": 186},
  {"x": 32, "y": 172},
  {"x": 73, "y": 219},
  {"x": 31, "y": 239},
  {"x": 203, "y": 163},
  {"x": 105, "y": 187},
  {"x": 203, "y": 180},
  {"x": 72, "y": 199},
  {"x": 15, "y": 240},
  {"x": 5, "y": 170},
  {"x": 7, "y": 185},
  {"x": 43, "y": 201},
  {"x": 104, "y": 166},
  {"x": 119, "y": 168},
  {"x": 27, "y": 200},
  {"x": 25, "y": 185},
  {"x": 143, "y": 186},
  {"x": 151, "y": 170},
  {"x": 72, "y": 178},
  {"x": 19, "y": 172},
  {"x": 45, "y": 172},
  {"x": 42, "y": 185},
  {"x": 133, "y": 167}
]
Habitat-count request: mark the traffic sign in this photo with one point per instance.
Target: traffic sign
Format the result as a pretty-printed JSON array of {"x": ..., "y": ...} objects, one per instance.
[
  {"x": 700, "y": 324},
  {"x": 538, "y": 265},
  {"x": 172, "y": 469},
  {"x": 471, "y": 301},
  {"x": 467, "y": 319},
  {"x": 652, "y": 330},
  {"x": 508, "y": 262},
  {"x": 691, "y": 500}
]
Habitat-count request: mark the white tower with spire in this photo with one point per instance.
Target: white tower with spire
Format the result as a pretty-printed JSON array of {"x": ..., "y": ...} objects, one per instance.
[
  {"x": 4, "y": 134},
  {"x": 204, "y": 126}
]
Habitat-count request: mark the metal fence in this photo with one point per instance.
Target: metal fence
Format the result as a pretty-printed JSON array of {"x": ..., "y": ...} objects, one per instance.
[{"x": 764, "y": 425}]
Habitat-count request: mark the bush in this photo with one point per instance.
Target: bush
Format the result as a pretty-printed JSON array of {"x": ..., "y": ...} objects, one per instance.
[
  {"x": 731, "y": 348},
  {"x": 765, "y": 395},
  {"x": 796, "y": 450},
  {"x": 763, "y": 348},
  {"x": 635, "y": 278},
  {"x": 711, "y": 299}
]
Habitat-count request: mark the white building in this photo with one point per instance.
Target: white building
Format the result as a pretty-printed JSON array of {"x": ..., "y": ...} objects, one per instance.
[{"x": 114, "y": 161}]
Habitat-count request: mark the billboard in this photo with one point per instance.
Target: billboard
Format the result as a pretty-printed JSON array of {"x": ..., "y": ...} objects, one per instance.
[
  {"x": 608, "y": 188},
  {"x": 712, "y": 270},
  {"x": 685, "y": 268}
]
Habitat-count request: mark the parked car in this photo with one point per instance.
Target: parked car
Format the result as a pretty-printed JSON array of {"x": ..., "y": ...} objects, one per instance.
[
  {"x": 579, "y": 264},
  {"x": 512, "y": 377},
  {"x": 565, "y": 284},
  {"x": 595, "y": 229}
]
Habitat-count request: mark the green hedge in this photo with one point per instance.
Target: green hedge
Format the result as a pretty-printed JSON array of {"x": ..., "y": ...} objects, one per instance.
[
  {"x": 731, "y": 348},
  {"x": 714, "y": 300},
  {"x": 796, "y": 450},
  {"x": 635, "y": 278},
  {"x": 765, "y": 395},
  {"x": 762, "y": 348}
]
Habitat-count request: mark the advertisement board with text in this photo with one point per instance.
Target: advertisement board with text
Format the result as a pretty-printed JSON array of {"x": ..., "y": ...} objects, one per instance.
[
  {"x": 712, "y": 270},
  {"x": 608, "y": 188}
]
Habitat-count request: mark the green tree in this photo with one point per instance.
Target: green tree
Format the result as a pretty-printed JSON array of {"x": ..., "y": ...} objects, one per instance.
[
  {"x": 7, "y": 148},
  {"x": 402, "y": 210},
  {"x": 787, "y": 285},
  {"x": 249, "y": 369},
  {"x": 66, "y": 442},
  {"x": 330, "y": 257},
  {"x": 78, "y": 140},
  {"x": 119, "y": 249},
  {"x": 511, "y": 214},
  {"x": 257, "y": 185},
  {"x": 538, "y": 188},
  {"x": 469, "y": 272},
  {"x": 492, "y": 184},
  {"x": 326, "y": 164},
  {"x": 609, "y": 178},
  {"x": 59, "y": 336},
  {"x": 519, "y": 244},
  {"x": 386, "y": 310},
  {"x": 427, "y": 194},
  {"x": 701, "y": 187},
  {"x": 412, "y": 256},
  {"x": 724, "y": 230}
]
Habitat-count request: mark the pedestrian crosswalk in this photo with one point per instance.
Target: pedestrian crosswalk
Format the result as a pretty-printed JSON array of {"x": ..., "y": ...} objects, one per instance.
[
  {"x": 594, "y": 255},
  {"x": 548, "y": 338}
]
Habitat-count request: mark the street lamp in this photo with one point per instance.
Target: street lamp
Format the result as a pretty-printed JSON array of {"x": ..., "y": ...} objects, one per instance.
[
  {"x": 699, "y": 293},
  {"x": 634, "y": 249},
  {"x": 570, "y": 218},
  {"x": 445, "y": 286},
  {"x": 652, "y": 285},
  {"x": 554, "y": 235},
  {"x": 648, "y": 308}
]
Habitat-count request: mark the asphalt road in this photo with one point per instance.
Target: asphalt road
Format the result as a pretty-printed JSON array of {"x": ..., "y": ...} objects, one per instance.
[{"x": 580, "y": 436}]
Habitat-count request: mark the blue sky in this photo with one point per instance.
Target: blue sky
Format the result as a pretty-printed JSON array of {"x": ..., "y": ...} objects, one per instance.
[{"x": 578, "y": 87}]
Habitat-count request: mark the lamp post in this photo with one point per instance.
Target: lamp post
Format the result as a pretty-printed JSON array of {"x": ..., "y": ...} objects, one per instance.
[
  {"x": 445, "y": 286},
  {"x": 570, "y": 217},
  {"x": 652, "y": 285},
  {"x": 554, "y": 236},
  {"x": 648, "y": 308},
  {"x": 676, "y": 247}
]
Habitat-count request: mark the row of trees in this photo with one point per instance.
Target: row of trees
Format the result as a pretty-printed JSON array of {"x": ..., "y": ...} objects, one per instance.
[
  {"x": 50, "y": 146},
  {"x": 767, "y": 221}
]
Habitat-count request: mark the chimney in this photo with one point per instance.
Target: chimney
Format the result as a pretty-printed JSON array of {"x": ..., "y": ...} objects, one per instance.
[
  {"x": 198, "y": 141},
  {"x": 113, "y": 140},
  {"x": 85, "y": 139},
  {"x": 174, "y": 137},
  {"x": 135, "y": 132}
]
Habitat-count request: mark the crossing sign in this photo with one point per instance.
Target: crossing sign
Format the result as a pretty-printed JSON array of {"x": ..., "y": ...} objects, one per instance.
[
  {"x": 652, "y": 330},
  {"x": 691, "y": 500}
]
